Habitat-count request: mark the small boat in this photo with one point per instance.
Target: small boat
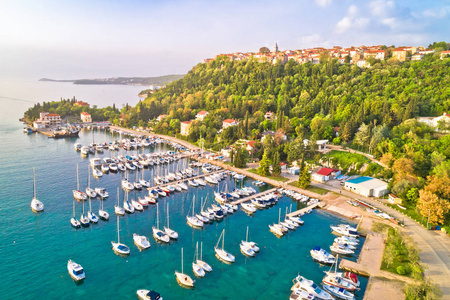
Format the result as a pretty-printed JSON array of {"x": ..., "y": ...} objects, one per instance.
[
  {"x": 198, "y": 271},
  {"x": 248, "y": 248},
  {"x": 77, "y": 146},
  {"x": 339, "y": 292},
  {"x": 341, "y": 249},
  {"x": 105, "y": 168},
  {"x": 297, "y": 220},
  {"x": 312, "y": 288},
  {"x": 84, "y": 151},
  {"x": 248, "y": 207},
  {"x": 171, "y": 233},
  {"x": 103, "y": 214},
  {"x": 148, "y": 295},
  {"x": 102, "y": 193},
  {"x": 141, "y": 241},
  {"x": 84, "y": 220},
  {"x": 347, "y": 240},
  {"x": 320, "y": 255},
  {"x": 301, "y": 295},
  {"x": 334, "y": 278},
  {"x": 221, "y": 253},
  {"x": 200, "y": 261},
  {"x": 183, "y": 185},
  {"x": 118, "y": 248},
  {"x": 75, "y": 270},
  {"x": 96, "y": 173},
  {"x": 77, "y": 194},
  {"x": 137, "y": 206},
  {"x": 158, "y": 234},
  {"x": 144, "y": 201},
  {"x": 36, "y": 205},
  {"x": 193, "y": 221},
  {"x": 127, "y": 206},
  {"x": 346, "y": 230},
  {"x": 96, "y": 162},
  {"x": 183, "y": 279},
  {"x": 75, "y": 223},
  {"x": 121, "y": 167},
  {"x": 137, "y": 185},
  {"x": 117, "y": 208},
  {"x": 113, "y": 167},
  {"x": 90, "y": 192},
  {"x": 192, "y": 183},
  {"x": 127, "y": 185},
  {"x": 91, "y": 215}
]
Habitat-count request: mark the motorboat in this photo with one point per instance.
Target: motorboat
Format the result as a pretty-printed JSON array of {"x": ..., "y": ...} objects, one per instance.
[
  {"x": 301, "y": 283},
  {"x": 193, "y": 183},
  {"x": 158, "y": 234},
  {"x": 137, "y": 185},
  {"x": 148, "y": 295},
  {"x": 339, "y": 292},
  {"x": 36, "y": 205},
  {"x": 183, "y": 279},
  {"x": 90, "y": 192},
  {"x": 137, "y": 206},
  {"x": 113, "y": 167},
  {"x": 183, "y": 185},
  {"x": 77, "y": 147},
  {"x": 127, "y": 185},
  {"x": 297, "y": 220},
  {"x": 248, "y": 207},
  {"x": 105, "y": 168},
  {"x": 341, "y": 249},
  {"x": 340, "y": 241},
  {"x": 102, "y": 192},
  {"x": 96, "y": 173},
  {"x": 322, "y": 256},
  {"x": 200, "y": 181},
  {"x": 201, "y": 263},
  {"x": 130, "y": 166},
  {"x": 84, "y": 151},
  {"x": 346, "y": 230},
  {"x": 221, "y": 254},
  {"x": 141, "y": 241},
  {"x": 198, "y": 270},
  {"x": 119, "y": 248},
  {"x": 171, "y": 233},
  {"x": 347, "y": 240},
  {"x": 121, "y": 167},
  {"x": 301, "y": 295},
  {"x": 348, "y": 277},
  {"x": 75, "y": 270},
  {"x": 332, "y": 279},
  {"x": 211, "y": 180},
  {"x": 96, "y": 162}
]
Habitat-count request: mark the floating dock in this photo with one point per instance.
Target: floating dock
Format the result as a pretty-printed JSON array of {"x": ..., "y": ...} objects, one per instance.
[
  {"x": 303, "y": 210},
  {"x": 239, "y": 201},
  {"x": 184, "y": 180}
]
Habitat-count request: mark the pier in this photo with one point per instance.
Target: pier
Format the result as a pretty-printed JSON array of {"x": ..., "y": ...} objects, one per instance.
[
  {"x": 239, "y": 201},
  {"x": 303, "y": 210},
  {"x": 184, "y": 180}
]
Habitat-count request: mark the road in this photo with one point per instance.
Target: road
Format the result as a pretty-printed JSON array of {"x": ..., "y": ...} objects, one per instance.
[{"x": 434, "y": 246}]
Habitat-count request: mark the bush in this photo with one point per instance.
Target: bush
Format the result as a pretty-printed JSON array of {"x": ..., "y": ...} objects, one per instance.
[
  {"x": 337, "y": 141},
  {"x": 401, "y": 270}
]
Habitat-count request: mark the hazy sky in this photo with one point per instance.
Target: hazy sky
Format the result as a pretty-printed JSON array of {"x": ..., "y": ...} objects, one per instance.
[{"x": 88, "y": 39}]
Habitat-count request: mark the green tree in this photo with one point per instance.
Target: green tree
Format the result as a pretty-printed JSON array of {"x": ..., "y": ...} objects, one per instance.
[
  {"x": 264, "y": 165},
  {"x": 264, "y": 50},
  {"x": 276, "y": 167}
]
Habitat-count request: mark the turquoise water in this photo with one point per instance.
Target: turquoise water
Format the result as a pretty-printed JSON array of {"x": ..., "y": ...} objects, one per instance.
[{"x": 34, "y": 249}]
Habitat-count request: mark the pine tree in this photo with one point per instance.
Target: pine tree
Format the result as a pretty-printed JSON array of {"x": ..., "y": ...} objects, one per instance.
[
  {"x": 276, "y": 168},
  {"x": 304, "y": 177},
  {"x": 246, "y": 123},
  {"x": 232, "y": 156},
  {"x": 264, "y": 165}
]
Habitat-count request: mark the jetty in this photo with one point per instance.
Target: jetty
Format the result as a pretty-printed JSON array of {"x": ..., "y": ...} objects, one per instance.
[
  {"x": 303, "y": 210},
  {"x": 248, "y": 198},
  {"x": 184, "y": 180}
]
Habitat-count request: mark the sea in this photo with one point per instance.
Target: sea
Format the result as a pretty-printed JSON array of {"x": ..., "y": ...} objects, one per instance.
[{"x": 35, "y": 248}]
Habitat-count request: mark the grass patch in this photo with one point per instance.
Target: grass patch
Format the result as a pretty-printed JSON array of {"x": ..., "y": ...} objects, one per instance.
[
  {"x": 380, "y": 227},
  {"x": 313, "y": 189},
  {"x": 346, "y": 160},
  {"x": 277, "y": 178}
]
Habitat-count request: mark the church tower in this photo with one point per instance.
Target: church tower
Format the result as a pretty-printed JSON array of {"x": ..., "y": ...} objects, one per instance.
[{"x": 275, "y": 49}]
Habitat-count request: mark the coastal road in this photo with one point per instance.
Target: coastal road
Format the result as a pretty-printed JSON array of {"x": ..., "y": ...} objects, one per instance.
[{"x": 434, "y": 245}]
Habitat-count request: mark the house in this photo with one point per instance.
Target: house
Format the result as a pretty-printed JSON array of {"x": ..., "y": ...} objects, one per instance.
[
  {"x": 445, "y": 53},
  {"x": 362, "y": 63},
  {"x": 336, "y": 131},
  {"x": 283, "y": 166},
  {"x": 434, "y": 121},
  {"x": 229, "y": 122},
  {"x": 417, "y": 56},
  {"x": 269, "y": 116},
  {"x": 294, "y": 170},
  {"x": 201, "y": 115},
  {"x": 377, "y": 54},
  {"x": 86, "y": 117},
  {"x": 399, "y": 53},
  {"x": 367, "y": 186},
  {"x": 325, "y": 174},
  {"x": 251, "y": 146},
  {"x": 47, "y": 120},
  {"x": 393, "y": 199},
  {"x": 184, "y": 127},
  {"x": 161, "y": 117},
  {"x": 81, "y": 104}
]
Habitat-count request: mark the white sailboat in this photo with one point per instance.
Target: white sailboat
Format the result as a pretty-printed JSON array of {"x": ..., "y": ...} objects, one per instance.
[
  {"x": 36, "y": 205},
  {"x": 77, "y": 194},
  {"x": 75, "y": 223},
  {"x": 183, "y": 279},
  {"x": 91, "y": 215},
  {"x": 103, "y": 214},
  {"x": 200, "y": 261},
  {"x": 117, "y": 208},
  {"x": 248, "y": 248},
  {"x": 198, "y": 270},
  {"x": 158, "y": 234},
  {"x": 129, "y": 208},
  {"x": 201, "y": 216},
  {"x": 118, "y": 248},
  {"x": 221, "y": 253},
  {"x": 193, "y": 221},
  {"x": 84, "y": 220},
  {"x": 171, "y": 233}
]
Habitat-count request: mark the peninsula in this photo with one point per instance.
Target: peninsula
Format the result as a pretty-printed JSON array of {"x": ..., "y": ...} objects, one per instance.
[{"x": 145, "y": 81}]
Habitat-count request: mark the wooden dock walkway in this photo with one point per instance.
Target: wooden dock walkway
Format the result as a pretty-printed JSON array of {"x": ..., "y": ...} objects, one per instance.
[
  {"x": 239, "y": 201},
  {"x": 185, "y": 180},
  {"x": 303, "y": 210}
]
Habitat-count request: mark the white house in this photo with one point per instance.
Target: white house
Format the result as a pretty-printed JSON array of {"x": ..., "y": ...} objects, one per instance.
[
  {"x": 229, "y": 122},
  {"x": 47, "y": 120},
  {"x": 434, "y": 121},
  {"x": 201, "y": 115},
  {"x": 184, "y": 127},
  {"x": 86, "y": 117},
  {"x": 325, "y": 174}
]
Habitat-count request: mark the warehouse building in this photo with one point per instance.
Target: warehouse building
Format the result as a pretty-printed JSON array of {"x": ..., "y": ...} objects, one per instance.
[{"x": 367, "y": 186}]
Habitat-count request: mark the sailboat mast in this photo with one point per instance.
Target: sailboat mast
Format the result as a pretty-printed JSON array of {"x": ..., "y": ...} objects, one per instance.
[
  {"x": 78, "y": 181},
  {"x": 157, "y": 215},
  {"x": 74, "y": 208},
  {"x": 118, "y": 230},
  {"x": 182, "y": 261},
  {"x": 246, "y": 238},
  {"x": 168, "y": 215},
  {"x": 34, "y": 184},
  {"x": 201, "y": 251},
  {"x": 117, "y": 196},
  {"x": 223, "y": 239}
]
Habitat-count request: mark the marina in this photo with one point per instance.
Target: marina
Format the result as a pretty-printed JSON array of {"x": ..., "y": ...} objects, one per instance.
[{"x": 91, "y": 246}]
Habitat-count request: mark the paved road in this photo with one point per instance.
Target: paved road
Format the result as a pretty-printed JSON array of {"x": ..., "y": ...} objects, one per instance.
[{"x": 434, "y": 246}]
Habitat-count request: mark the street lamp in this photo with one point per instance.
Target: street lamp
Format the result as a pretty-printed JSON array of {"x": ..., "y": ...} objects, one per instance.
[{"x": 428, "y": 217}]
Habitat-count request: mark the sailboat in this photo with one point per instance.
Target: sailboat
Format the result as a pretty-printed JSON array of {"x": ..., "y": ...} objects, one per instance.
[
  {"x": 201, "y": 215},
  {"x": 36, "y": 205},
  {"x": 75, "y": 223},
  {"x": 158, "y": 234},
  {"x": 91, "y": 215},
  {"x": 144, "y": 182},
  {"x": 118, "y": 248},
  {"x": 200, "y": 261},
  {"x": 183, "y": 279},
  {"x": 77, "y": 194},
  {"x": 171, "y": 233},
  {"x": 193, "y": 221},
  {"x": 103, "y": 214},
  {"x": 129, "y": 208},
  {"x": 198, "y": 271},
  {"x": 84, "y": 220},
  {"x": 248, "y": 248},
  {"x": 117, "y": 208},
  {"x": 221, "y": 253},
  {"x": 278, "y": 229},
  {"x": 338, "y": 279}
]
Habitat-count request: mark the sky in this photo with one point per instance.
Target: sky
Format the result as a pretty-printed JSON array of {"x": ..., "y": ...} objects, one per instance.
[{"x": 97, "y": 39}]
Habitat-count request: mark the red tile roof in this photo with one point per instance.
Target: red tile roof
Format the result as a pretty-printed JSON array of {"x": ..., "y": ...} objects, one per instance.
[
  {"x": 203, "y": 112},
  {"x": 187, "y": 122},
  {"x": 52, "y": 115},
  {"x": 229, "y": 121},
  {"x": 85, "y": 113},
  {"x": 326, "y": 171}
]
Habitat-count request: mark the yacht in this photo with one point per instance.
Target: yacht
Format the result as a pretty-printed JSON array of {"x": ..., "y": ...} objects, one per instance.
[
  {"x": 118, "y": 248},
  {"x": 158, "y": 234},
  {"x": 339, "y": 292},
  {"x": 200, "y": 261},
  {"x": 347, "y": 240},
  {"x": 320, "y": 255},
  {"x": 36, "y": 205},
  {"x": 75, "y": 223},
  {"x": 221, "y": 253},
  {"x": 141, "y": 241},
  {"x": 75, "y": 270},
  {"x": 117, "y": 208},
  {"x": 193, "y": 221},
  {"x": 345, "y": 230},
  {"x": 301, "y": 283},
  {"x": 248, "y": 207},
  {"x": 96, "y": 162},
  {"x": 198, "y": 270},
  {"x": 137, "y": 206},
  {"x": 183, "y": 279},
  {"x": 77, "y": 194},
  {"x": 148, "y": 295},
  {"x": 102, "y": 192},
  {"x": 171, "y": 233},
  {"x": 248, "y": 248}
]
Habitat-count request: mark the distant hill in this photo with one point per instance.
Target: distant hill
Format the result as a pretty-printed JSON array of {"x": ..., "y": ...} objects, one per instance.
[{"x": 156, "y": 81}]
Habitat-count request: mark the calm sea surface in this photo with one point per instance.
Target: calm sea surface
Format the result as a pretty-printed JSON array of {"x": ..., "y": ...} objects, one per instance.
[{"x": 34, "y": 248}]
